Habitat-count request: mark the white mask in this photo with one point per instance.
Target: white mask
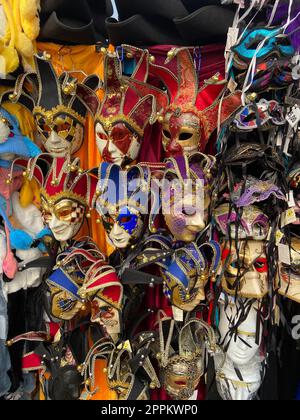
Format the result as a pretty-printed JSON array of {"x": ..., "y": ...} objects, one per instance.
[{"x": 63, "y": 231}]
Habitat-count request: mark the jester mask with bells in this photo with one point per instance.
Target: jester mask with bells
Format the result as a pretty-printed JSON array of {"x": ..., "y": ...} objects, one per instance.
[
  {"x": 246, "y": 269},
  {"x": 195, "y": 111},
  {"x": 104, "y": 290},
  {"x": 188, "y": 272},
  {"x": 182, "y": 360},
  {"x": 288, "y": 277},
  {"x": 66, "y": 195},
  {"x": 128, "y": 107},
  {"x": 122, "y": 202},
  {"x": 186, "y": 194},
  {"x": 67, "y": 278},
  {"x": 59, "y": 105}
]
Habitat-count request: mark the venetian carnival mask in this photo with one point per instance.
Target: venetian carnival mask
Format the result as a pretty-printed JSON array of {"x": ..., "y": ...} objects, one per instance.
[
  {"x": 59, "y": 106},
  {"x": 104, "y": 290},
  {"x": 122, "y": 202},
  {"x": 127, "y": 109},
  {"x": 241, "y": 374},
  {"x": 181, "y": 371},
  {"x": 251, "y": 223},
  {"x": 289, "y": 275},
  {"x": 246, "y": 269},
  {"x": 188, "y": 273},
  {"x": 66, "y": 195},
  {"x": 68, "y": 277},
  {"x": 192, "y": 116},
  {"x": 186, "y": 195}
]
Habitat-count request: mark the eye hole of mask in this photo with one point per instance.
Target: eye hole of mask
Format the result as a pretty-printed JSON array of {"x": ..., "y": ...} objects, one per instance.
[
  {"x": 47, "y": 216},
  {"x": 64, "y": 127},
  {"x": 254, "y": 44},
  {"x": 185, "y": 136},
  {"x": 259, "y": 229},
  {"x": 125, "y": 219},
  {"x": 63, "y": 213},
  {"x": 167, "y": 134},
  {"x": 261, "y": 265},
  {"x": 189, "y": 211},
  {"x": 45, "y": 129}
]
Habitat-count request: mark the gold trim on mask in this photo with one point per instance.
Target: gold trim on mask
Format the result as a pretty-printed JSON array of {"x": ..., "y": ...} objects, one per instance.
[
  {"x": 51, "y": 201},
  {"x": 109, "y": 122},
  {"x": 60, "y": 109}
]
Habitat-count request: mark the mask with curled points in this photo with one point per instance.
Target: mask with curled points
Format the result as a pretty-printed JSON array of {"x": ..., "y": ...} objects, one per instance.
[
  {"x": 128, "y": 107},
  {"x": 181, "y": 370},
  {"x": 188, "y": 272},
  {"x": 195, "y": 111}
]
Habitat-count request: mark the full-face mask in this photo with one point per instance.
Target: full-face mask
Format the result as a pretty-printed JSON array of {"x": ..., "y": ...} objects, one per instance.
[
  {"x": 66, "y": 195},
  {"x": 129, "y": 106},
  {"x": 122, "y": 202},
  {"x": 103, "y": 289},
  {"x": 241, "y": 373},
  {"x": 186, "y": 195},
  {"x": 59, "y": 106},
  {"x": 188, "y": 272},
  {"x": 68, "y": 277},
  {"x": 192, "y": 116},
  {"x": 246, "y": 269},
  {"x": 288, "y": 277}
]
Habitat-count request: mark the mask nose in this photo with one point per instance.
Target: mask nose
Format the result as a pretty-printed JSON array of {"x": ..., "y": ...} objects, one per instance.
[
  {"x": 116, "y": 230},
  {"x": 54, "y": 222},
  {"x": 54, "y": 138},
  {"x": 174, "y": 149}
]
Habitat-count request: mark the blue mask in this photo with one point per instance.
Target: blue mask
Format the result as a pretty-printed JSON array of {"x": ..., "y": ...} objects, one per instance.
[{"x": 247, "y": 48}]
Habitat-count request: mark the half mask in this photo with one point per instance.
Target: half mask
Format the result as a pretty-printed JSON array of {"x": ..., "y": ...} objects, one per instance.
[
  {"x": 251, "y": 222},
  {"x": 192, "y": 116}
]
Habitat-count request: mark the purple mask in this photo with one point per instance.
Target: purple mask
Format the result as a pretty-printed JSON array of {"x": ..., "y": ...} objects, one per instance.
[
  {"x": 186, "y": 195},
  {"x": 255, "y": 191},
  {"x": 253, "y": 224}
]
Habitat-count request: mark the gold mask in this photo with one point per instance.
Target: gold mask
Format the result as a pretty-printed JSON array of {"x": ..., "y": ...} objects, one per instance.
[
  {"x": 288, "y": 278},
  {"x": 251, "y": 276}
]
